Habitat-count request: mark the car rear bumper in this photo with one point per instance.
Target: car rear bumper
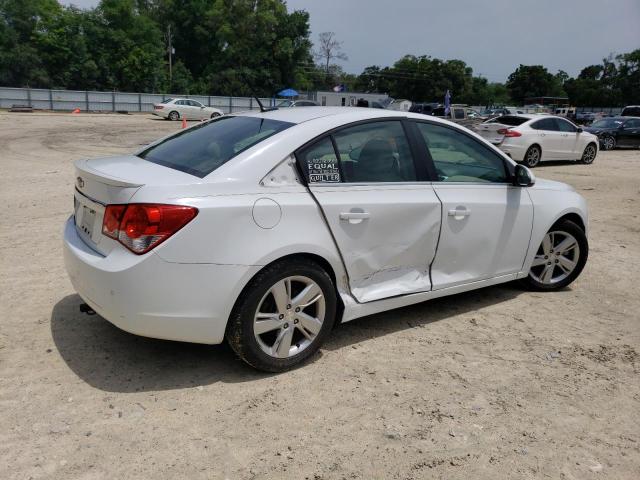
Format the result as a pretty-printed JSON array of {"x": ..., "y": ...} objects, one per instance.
[
  {"x": 160, "y": 113},
  {"x": 149, "y": 296},
  {"x": 516, "y": 152}
]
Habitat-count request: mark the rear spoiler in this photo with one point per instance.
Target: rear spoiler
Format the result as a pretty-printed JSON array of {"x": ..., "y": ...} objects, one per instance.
[{"x": 83, "y": 168}]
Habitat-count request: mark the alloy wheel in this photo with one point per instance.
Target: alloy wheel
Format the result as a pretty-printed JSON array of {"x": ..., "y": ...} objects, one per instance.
[
  {"x": 556, "y": 258},
  {"x": 289, "y": 317},
  {"x": 608, "y": 143},
  {"x": 589, "y": 154},
  {"x": 532, "y": 157}
]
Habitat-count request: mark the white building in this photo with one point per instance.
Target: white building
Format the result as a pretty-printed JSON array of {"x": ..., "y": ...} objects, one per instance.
[{"x": 348, "y": 99}]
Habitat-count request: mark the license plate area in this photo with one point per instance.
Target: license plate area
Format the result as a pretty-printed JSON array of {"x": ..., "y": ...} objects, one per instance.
[{"x": 88, "y": 218}]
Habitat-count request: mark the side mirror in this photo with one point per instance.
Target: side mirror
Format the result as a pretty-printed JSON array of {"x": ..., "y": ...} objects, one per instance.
[
  {"x": 523, "y": 177},
  {"x": 579, "y": 130}
]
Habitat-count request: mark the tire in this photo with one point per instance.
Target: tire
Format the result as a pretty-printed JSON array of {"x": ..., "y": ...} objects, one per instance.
[
  {"x": 608, "y": 142},
  {"x": 532, "y": 157},
  {"x": 589, "y": 154},
  {"x": 173, "y": 116},
  {"x": 215, "y": 115},
  {"x": 268, "y": 350},
  {"x": 545, "y": 258}
]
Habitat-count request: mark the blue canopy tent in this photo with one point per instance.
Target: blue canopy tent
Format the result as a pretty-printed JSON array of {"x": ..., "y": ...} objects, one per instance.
[{"x": 288, "y": 92}]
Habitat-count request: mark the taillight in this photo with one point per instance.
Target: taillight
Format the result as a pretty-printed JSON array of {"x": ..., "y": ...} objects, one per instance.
[
  {"x": 158, "y": 107},
  {"x": 509, "y": 133},
  {"x": 143, "y": 226}
]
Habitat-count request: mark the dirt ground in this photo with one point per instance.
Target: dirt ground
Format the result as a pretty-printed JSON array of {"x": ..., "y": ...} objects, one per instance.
[{"x": 497, "y": 383}]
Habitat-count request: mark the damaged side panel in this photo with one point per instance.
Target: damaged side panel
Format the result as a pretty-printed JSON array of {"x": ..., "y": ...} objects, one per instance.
[{"x": 387, "y": 235}]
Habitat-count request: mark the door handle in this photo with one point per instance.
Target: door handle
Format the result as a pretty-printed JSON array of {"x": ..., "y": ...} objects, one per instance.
[
  {"x": 542, "y": 134},
  {"x": 354, "y": 217},
  {"x": 459, "y": 213}
]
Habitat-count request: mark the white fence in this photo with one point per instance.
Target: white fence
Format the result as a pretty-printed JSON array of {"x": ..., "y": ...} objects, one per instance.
[{"x": 88, "y": 101}]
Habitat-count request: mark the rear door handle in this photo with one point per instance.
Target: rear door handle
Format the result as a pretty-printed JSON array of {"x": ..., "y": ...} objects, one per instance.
[
  {"x": 354, "y": 217},
  {"x": 459, "y": 213}
]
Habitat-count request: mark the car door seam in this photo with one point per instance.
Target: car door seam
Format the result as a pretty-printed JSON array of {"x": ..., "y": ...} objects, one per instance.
[{"x": 435, "y": 254}]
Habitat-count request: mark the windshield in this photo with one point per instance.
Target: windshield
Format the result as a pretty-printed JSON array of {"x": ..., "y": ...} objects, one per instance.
[
  {"x": 607, "y": 123},
  {"x": 201, "y": 149}
]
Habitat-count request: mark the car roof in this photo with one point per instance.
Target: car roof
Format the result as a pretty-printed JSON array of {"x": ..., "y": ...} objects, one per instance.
[{"x": 305, "y": 114}]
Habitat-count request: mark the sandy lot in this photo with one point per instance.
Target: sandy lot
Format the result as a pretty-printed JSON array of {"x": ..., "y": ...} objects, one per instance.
[{"x": 497, "y": 383}]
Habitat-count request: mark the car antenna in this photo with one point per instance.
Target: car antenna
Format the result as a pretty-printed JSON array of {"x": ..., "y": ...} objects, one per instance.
[{"x": 262, "y": 108}]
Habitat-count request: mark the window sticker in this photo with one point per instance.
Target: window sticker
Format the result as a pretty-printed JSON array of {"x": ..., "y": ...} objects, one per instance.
[{"x": 323, "y": 170}]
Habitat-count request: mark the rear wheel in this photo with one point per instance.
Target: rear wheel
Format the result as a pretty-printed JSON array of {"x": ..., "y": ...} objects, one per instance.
[
  {"x": 283, "y": 315},
  {"x": 173, "y": 116},
  {"x": 589, "y": 154},
  {"x": 608, "y": 143},
  {"x": 532, "y": 157},
  {"x": 215, "y": 115},
  {"x": 560, "y": 258}
]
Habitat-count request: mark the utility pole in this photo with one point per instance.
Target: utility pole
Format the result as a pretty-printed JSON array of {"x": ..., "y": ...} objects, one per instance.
[{"x": 171, "y": 51}]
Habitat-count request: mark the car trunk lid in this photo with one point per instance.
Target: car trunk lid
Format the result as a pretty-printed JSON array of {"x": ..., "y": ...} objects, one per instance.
[{"x": 493, "y": 130}]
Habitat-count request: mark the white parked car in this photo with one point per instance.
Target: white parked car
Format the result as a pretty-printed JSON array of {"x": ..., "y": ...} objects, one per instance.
[
  {"x": 179, "y": 108},
  {"x": 267, "y": 228},
  {"x": 533, "y": 138}
]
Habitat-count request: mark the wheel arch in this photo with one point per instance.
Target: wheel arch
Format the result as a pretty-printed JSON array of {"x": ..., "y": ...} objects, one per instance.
[
  {"x": 573, "y": 217},
  {"x": 325, "y": 264}
]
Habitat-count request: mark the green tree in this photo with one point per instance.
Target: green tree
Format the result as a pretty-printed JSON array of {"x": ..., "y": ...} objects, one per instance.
[{"x": 532, "y": 81}]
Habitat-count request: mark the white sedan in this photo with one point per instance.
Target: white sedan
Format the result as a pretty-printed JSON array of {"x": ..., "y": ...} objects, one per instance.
[
  {"x": 268, "y": 228},
  {"x": 179, "y": 108},
  {"x": 531, "y": 139}
]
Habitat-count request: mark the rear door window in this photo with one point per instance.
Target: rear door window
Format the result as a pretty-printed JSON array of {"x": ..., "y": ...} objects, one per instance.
[
  {"x": 201, "y": 149},
  {"x": 375, "y": 152},
  {"x": 548, "y": 124}
]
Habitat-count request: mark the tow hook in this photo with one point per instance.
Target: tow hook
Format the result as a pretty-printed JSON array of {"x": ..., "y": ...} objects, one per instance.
[{"x": 84, "y": 308}]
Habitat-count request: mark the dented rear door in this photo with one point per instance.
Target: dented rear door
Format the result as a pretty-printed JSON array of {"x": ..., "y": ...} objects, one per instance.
[{"x": 387, "y": 235}]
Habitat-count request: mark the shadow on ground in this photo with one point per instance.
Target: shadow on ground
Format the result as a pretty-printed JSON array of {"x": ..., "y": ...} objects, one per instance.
[{"x": 113, "y": 360}]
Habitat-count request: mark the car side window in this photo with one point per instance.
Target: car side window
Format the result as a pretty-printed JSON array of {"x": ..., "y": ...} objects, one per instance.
[
  {"x": 633, "y": 123},
  {"x": 319, "y": 162},
  {"x": 460, "y": 158},
  {"x": 548, "y": 124},
  {"x": 565, "y": 126},
  {"x": 195, "y": 104},
  {"x": 375, "y": 152}
]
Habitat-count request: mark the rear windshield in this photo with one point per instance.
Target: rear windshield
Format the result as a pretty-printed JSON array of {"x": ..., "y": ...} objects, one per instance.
[
  {"x": 510, "y": 120},
  {"x": 203, "y": 148}
]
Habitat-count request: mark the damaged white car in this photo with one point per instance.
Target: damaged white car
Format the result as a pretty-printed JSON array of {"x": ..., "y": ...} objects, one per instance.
[{"x": 268, "y": 228}]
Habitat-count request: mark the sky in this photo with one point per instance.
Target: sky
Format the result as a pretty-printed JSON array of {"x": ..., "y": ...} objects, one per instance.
[{"x": 492, "y": 36}]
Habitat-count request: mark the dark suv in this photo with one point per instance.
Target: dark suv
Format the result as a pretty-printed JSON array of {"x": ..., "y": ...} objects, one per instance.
[{"x": 631, "y": 111}]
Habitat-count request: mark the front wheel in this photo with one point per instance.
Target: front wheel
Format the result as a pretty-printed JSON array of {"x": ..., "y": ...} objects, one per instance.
[
  {"x": 589, "y": 154},
  {"x": 532, "y": 157},
  {"x": 560, "y": 258},
  {"x": 283, "y": 315},
  {"x": 215, "y": 115}
]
